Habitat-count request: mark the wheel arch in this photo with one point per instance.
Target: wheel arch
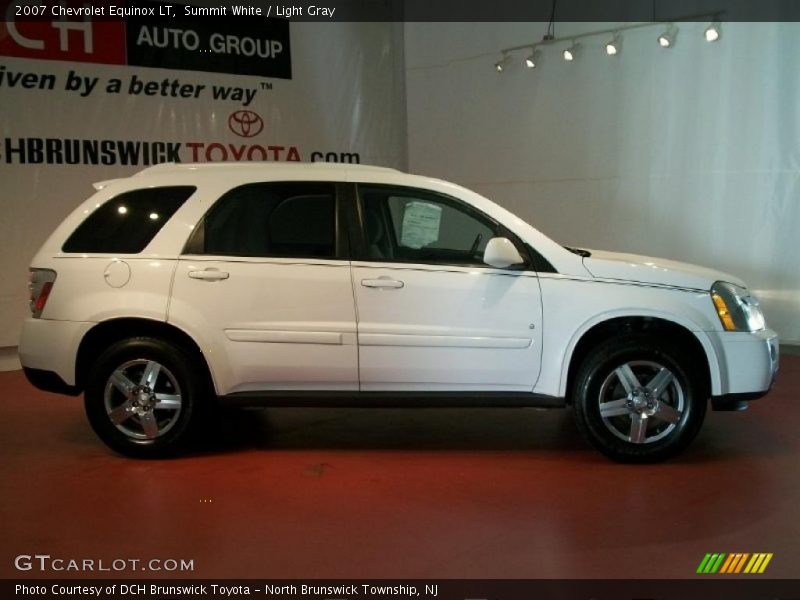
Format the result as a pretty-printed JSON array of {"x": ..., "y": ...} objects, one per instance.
[
  {"x": 604, "y": 327},
  {"x": 108, "y": 332}
]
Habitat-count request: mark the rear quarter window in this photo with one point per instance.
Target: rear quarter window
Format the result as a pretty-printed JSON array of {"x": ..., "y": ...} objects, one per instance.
[{"x": 127, "y": 223}]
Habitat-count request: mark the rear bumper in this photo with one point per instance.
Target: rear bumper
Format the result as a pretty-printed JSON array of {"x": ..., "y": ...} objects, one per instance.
[{"x": 51, "y": 346}]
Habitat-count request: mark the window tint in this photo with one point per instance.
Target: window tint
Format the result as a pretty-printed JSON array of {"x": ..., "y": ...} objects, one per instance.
[
  {"x": 128, "y": 222},
  {"x": 291, "y": 220},
  {"x": 417, "y": 226}
]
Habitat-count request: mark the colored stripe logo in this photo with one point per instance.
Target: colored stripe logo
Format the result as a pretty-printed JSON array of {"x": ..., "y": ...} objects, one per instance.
[{"x": 737, "y": 562}]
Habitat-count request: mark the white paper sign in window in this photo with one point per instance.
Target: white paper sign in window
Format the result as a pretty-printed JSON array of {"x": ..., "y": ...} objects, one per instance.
[{"x": 421, "y": 222}]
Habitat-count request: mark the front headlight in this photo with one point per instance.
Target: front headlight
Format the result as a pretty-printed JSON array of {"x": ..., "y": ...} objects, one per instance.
[{"x": 738, "y": 310}]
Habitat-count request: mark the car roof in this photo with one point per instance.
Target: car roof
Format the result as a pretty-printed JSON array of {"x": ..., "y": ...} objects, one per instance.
[{"x": 269, "y": 168}]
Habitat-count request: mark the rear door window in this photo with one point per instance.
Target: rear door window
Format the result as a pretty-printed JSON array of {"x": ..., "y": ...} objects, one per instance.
[{"x": 278, "y": 219}]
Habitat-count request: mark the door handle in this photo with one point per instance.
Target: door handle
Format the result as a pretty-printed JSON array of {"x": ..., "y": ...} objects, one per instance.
[
  {"x": 209, "y": 274},
  {"x": 383, "y": 283}
]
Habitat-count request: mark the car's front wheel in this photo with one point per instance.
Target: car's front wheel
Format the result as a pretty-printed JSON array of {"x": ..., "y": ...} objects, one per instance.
[
  {"x": 141, "y": 397},
  {"x": 637, "y": 399}
]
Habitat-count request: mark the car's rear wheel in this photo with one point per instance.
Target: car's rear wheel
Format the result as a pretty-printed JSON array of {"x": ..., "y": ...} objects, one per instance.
[
  {"x": 637, "y": 399},
  {"x": 142, "y": 397}
]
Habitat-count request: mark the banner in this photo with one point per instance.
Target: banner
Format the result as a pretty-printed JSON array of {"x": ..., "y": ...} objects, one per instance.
[
  {"x": 88, "y": 100},
  {"x": 243, "y": 46}
]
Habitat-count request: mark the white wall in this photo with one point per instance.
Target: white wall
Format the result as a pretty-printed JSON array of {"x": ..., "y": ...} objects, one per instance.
[{"x": 690, "y": 153}]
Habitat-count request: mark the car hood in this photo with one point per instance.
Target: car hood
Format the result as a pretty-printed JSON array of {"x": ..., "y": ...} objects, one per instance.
[{"x": 646, "y": 269}]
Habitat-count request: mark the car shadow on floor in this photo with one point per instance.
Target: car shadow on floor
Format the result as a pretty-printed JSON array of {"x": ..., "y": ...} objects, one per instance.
[
  {"x": 725, "y": 437},
  {"x": 393, "y": 429}
]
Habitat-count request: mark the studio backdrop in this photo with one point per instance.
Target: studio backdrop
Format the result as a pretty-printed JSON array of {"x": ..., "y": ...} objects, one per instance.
[
  {"x": 689, "y": 152},
  {"x": 82, "y": 102}
]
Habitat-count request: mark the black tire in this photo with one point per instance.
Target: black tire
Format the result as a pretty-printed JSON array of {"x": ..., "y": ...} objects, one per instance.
[
  {"x": 663, "y": 418},
  {"x": 176, "y": 383}
]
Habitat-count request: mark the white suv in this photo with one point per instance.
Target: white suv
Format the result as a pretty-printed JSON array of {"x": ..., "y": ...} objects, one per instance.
[{"x": 274, "y": 284}]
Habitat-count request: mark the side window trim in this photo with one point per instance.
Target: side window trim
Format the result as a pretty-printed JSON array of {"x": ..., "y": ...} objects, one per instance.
[
  {"x": 195, "y": 245},
  {"x": 196, "y": 242},
  {"x": 350, "y": 220},
  {"x": 361, "y": 253},
  {"x": 343, "y": 251}
]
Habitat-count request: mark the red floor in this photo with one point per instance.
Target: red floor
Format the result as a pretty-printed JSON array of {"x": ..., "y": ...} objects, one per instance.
[{"x": 402, "y": 493}]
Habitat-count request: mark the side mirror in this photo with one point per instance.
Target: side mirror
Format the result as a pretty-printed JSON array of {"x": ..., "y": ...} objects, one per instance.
[{"x": 501, "y": 253}]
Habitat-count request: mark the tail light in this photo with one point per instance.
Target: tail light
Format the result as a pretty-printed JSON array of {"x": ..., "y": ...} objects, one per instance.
[{"x": 40, "y": 284}]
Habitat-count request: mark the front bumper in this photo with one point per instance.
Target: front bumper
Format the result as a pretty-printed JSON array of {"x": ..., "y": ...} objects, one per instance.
[
  {"x": 749, "y": 363},
  {"x": 49, "y": 381}
]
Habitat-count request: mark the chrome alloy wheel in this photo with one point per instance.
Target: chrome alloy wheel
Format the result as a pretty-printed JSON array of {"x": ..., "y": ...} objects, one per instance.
[
  {"x": 641, "y": 402},
  {"x": 142, "y": 399}
]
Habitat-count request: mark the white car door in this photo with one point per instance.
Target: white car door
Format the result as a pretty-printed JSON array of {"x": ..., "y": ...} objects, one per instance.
[
  {"x": 265, "y": 284},
  {"x": 431, "y": 315}
]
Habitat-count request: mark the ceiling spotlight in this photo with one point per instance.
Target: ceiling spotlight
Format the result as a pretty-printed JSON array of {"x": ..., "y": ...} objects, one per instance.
[
  {"x": 667, "y": 39},
  {"x": 614, "y": 45},
  {"x": 571, "y": 52},
  {"x": 501, "y": 64},
  {"x": 533, "y": 59},
  {"x": 713, "y": 32}
]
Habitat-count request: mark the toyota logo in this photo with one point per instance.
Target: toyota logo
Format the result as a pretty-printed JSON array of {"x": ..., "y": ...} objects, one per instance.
[{"x": 245, "y": 123}]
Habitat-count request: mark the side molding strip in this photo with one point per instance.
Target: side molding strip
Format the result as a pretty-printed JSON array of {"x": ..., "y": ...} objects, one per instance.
[{"x": 352, "y": 399}]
